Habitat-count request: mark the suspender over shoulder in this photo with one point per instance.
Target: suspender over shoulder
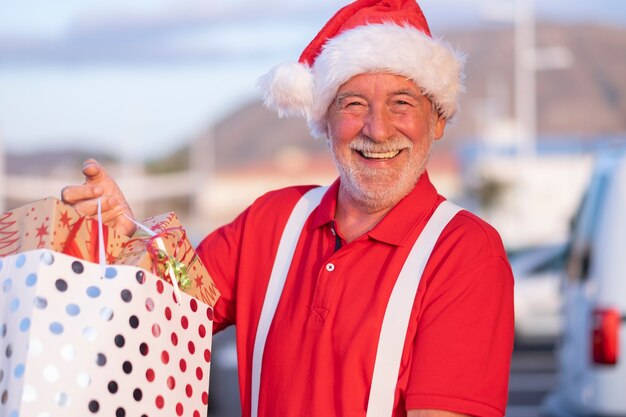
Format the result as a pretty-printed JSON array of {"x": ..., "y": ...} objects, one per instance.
[{"x": 397, "y": 315}]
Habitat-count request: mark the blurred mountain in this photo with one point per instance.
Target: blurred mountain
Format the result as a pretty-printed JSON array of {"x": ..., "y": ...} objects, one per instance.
[
  {"x": 585, "y": 100},
  {"x": 582, "y": 100}
]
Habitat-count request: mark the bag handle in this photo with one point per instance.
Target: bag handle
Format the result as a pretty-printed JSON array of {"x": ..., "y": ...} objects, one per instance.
[{"x": 102, "y": 260}]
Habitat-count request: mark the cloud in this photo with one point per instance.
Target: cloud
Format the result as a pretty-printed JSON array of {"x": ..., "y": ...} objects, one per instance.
[
  {"x": 192, "y": 32},
  {"x": 168, "y": 35}
]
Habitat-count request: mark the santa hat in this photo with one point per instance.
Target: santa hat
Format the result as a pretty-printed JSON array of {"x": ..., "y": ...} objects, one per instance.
[{"x": 363, "y": 37}]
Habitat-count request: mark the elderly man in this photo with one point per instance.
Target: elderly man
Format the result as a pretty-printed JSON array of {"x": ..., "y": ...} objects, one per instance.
[{"x": 375, "y": 296}]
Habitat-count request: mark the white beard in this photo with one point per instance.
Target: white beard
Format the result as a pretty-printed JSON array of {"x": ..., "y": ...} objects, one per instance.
[{"x": 377, "y": 189}]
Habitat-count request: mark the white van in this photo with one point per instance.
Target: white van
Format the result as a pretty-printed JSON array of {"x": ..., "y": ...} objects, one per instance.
[{"x": 592, "y": 352}]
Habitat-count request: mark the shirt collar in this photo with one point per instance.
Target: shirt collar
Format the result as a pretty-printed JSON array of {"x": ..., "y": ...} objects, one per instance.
[{"x": 398, "y": 226}]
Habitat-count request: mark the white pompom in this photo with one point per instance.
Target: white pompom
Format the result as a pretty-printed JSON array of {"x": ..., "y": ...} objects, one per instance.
[{"x": 288, "y": 89}]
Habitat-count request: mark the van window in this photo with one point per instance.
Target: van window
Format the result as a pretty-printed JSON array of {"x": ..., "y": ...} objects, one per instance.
[{"x": 584, "y": 226}]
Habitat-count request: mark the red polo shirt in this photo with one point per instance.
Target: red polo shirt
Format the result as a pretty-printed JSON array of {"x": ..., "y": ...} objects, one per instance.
[{"x": 320, "y": 349}]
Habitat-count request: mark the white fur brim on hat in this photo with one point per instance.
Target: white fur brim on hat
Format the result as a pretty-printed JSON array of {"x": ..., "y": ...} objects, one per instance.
[{"x": 296, "y": 89}]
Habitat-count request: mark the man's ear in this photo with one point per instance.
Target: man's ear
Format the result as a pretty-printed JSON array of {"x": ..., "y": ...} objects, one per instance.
[{"x": 440, "y": 126}]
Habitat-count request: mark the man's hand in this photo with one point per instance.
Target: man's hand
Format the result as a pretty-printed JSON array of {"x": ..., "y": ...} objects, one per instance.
[{"x": 99, "y": 184}]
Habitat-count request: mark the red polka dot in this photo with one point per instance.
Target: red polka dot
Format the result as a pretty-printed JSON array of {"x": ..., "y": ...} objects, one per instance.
[
  {"x": 159, "y": 286},
  {"x": 160, "y": 402},
  {"x": 171, "y": 382},
  {"x": 193, "y": 304},
  {"x": 205, "y": 397},
  {"x": 184, "y": 321},
  {"x": 189, "y": 391},
  {"x": 191, "y": 347},
  {"x": 174, "y": 297},
  {"x": 209, "y": 313},
  {"x": 174, "y": 339},
  {"x": 149, "y": 304},
  {"x": 183, "y": 365},
  {"x": 179, "y": 409},
  {"x": 207, "y": 355},
  {"x": 196, "y": 413},
  {"x": 168, "y": 313},
  {"x": 165, "y": 357},
  {"x": 202, "y": 330},
  {"x": 199, "y": 373},
  {"x": 156, "y": 330},
  {"x": 150, "y": 375}
]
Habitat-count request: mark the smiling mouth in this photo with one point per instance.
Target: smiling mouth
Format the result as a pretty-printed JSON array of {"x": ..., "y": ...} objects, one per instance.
[{"x": 379, "y": 155}]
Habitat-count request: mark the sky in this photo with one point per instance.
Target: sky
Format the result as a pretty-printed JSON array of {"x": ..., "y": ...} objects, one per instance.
[{"x": 139, "y": 79}]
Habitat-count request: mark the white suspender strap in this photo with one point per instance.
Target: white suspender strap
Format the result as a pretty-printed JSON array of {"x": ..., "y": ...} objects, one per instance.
[
  {"x": 398, "y": 312},
  {"x": 286, "y": 249}
]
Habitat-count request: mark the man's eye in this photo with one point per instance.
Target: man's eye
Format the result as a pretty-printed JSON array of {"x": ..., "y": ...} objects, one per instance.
[{"x": 354, "y": 103}]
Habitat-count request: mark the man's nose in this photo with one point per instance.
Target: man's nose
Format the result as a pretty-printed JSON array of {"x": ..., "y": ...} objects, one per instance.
[{"x": 378, "y": 124}]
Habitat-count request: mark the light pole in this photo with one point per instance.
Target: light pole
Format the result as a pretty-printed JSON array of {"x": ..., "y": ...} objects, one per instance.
[{"x": 525, "y": 78}]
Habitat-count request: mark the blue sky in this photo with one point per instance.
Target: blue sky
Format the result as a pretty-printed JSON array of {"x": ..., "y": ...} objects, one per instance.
[{"x": 139, "y": 78}]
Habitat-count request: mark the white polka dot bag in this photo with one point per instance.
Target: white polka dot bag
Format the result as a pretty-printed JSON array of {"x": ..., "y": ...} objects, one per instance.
[{"x": 79, "y": 339}]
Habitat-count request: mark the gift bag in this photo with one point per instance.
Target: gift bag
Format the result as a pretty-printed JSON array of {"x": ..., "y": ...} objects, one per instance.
[{"x": 80, "y": 339}]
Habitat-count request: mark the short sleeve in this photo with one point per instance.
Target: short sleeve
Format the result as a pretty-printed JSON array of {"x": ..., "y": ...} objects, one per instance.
[
  {"x": 464, "y": 341},
  {"x": 219, "y": 252}
]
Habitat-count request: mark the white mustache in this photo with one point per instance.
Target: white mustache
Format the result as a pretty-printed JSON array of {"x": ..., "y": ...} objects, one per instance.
[{"x": 364, "y": 144}]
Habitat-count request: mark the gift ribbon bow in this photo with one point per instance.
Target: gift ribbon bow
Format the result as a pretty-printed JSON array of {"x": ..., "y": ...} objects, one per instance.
[{"x": 175, "y": 269}]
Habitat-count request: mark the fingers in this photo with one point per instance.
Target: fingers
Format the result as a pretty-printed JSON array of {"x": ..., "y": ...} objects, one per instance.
[
  {"x": 89, "y": 207},
  {"x": 74, "y": 194},
  {"x": 112, "y": 216},
  {"x": 98, "y": 184},
  {"x": 93, "y": 171}
]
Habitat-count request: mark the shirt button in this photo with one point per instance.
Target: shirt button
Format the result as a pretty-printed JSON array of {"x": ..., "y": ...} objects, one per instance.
[{"x": 330, "y": 267}]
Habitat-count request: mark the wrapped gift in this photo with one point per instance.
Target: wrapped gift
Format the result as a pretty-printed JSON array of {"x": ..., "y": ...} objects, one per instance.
[
  {"x": 83, "y": 339},
  {"x": 82, "y": 241},
  {"x": 43, "y": 224},
  {"x": 167, "y": 248}
]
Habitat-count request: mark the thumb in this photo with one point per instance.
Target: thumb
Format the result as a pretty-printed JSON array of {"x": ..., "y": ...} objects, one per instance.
[{"x": 93, "y": 171}]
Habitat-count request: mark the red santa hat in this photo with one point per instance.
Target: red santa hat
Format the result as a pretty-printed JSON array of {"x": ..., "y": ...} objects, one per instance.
[{"x": 364, "y": 37}]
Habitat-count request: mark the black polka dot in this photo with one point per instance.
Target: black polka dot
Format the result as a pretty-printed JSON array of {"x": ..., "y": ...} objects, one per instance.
[
  {"x": 127, "y": 367},
  {"x": 5, "y": 397},
  {"x": 112, "y": 387},
  {"x": 143, "y": 349},
  {"x": 61, "y": 284},
  {"x": 9, "y": 351},
  {"x": 133, "y": 321},
  {"x": 120, "y": 412},
  {"x": 119, "y": 340},
  {"x": 140, "y": 277},
  {"x": 137, "y": 394},
  {"x": 4, "y": 329},
  {"x": 77, "y": 267},
  {"x": 126, "y": 296},
  {"x": 94, "y": 406},
  {"x": 1, "y": 375},
  {"x": 101, "y": 359}
]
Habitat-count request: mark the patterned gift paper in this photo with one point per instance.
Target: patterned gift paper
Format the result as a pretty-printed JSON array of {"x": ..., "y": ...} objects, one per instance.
[
  {"x": 170, "y": 230},
  {"x": 42, "y": 224},
  {"x": 80, "y": 340}
]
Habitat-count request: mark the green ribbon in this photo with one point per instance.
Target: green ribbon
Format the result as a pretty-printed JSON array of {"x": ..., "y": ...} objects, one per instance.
[{"x": 178, "y": 268}]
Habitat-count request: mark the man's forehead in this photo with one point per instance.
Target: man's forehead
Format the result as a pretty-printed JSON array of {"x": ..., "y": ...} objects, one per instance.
[{"x": 389, "y": 83}]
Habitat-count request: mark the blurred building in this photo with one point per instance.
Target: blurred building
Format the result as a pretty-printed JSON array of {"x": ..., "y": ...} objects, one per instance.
[{"x": 216, "y": 173}]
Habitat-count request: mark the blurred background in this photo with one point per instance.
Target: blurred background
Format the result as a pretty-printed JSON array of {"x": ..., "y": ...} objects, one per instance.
[{"x": 163, "y": 93}]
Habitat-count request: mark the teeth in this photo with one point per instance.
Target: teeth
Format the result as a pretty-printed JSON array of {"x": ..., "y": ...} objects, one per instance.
[{"x": 380, "y": 155}]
